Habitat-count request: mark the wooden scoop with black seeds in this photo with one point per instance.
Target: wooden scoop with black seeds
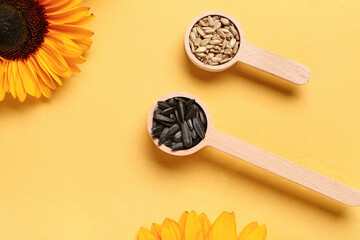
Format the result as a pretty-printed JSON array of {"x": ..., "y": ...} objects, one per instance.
[{"x": 176, "y": 136}]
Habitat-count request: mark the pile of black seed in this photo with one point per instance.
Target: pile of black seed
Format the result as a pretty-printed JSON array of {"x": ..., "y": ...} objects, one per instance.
[{"x": 179, "y": 123}]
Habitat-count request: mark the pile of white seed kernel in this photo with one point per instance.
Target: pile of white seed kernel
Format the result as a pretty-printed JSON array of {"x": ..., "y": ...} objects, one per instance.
[{"x": 214, "y": 40}]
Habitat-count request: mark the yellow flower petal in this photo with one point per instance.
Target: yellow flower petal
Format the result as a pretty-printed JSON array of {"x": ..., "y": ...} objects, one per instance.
[
  {"x": 71, "y": 32},
  {"x": 62, "y": 5},
  {"x": 182, "y": 221},
  {"x": 68, "y": 16},
  {"x": 247, "y": 230},
  {"x": 224, "y": 227},
  {"x": 145, "y": 234},
  {"x": 206, "y": 225},
  {"x": 258, "y": 234},
  {"x": 193, "y": 227},
  {"x": 27, "y": 78},
  {"x": 156, "y": 230},
  {"x": 170, "y": 230}
]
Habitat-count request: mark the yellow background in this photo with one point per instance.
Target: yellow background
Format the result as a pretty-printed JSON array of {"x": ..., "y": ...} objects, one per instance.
[{"x": 82, "y": 166}]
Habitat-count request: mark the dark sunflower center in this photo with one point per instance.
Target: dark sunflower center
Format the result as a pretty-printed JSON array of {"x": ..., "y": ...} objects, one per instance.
[{"x": 23, "y": 26}]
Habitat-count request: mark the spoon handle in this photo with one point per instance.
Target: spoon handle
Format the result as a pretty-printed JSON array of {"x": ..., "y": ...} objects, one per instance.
[
  {"x": 272, "y": 63},
  {"x": 284, "y": 168}
]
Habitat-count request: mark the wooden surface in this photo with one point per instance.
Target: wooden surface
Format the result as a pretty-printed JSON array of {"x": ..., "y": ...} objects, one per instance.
[{"x": 252, "y": 55}]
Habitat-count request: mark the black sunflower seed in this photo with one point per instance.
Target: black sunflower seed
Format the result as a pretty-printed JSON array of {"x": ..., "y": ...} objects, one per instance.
[
  {"x": 191, "y": 112},
  {"x": 202, "y": 118},
  {"x": 162, "y": 118},
  {"x": 186, "y": 135},
  {"x": 181, "y": 111},
  {"x": 168, "y": 143},
  {"x": 181, "y": 99},
  {"x": 172, "y": 116},
  {"x": 199, "y": 128},
  {"x": 190, "y": 124},
  {"x": 177, "y": 116},
  {"x": 156, "y": 134},
  {"x": 174, "y": 129},
  {"x": 157, "y": 128},
  {"x": 177, "y": 137},
  {"x": 177, "y": 146},
  {"x": 196, "y": 142},
  {"x": 172, "y": 102},
  {"x": 189, "y": 103},
  {"x": 193, "y": 134},
  {"x": 163, "y": 135},
  {"x": 167, "y": 111},
  {"x": 157, "y": 110},
  {"x": 163, "y": 105}
]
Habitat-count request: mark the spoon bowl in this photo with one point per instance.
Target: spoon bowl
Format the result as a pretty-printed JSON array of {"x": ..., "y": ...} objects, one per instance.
[
  {"x": 258, "y": 157},
  {"x": 194, "y": 149},
  {"x": 251, "y": 55}
]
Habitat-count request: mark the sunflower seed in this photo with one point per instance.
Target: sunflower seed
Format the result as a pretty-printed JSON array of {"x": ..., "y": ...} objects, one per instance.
[
  {"x": 177, "y": 146},
  {"x": 172, "y": 102},
  {"x": 157, "y": 128},
  {"x": 200, "y": 31},
  {"x": 156, "y": 134},
  {"x": 163, "y": 136},
  {"x": 196, "y": 142},
  {"x": 203, "y": 23},
  {"x": 186, "y": 135},
  {"x": 163, "y": 105},
  {"x": 167, "y": 111},
  {"x": 181, "y": 111},
  {"x": 215, "y": 42},
  {"x": 200, "y": 50},
  {"x": 162, "y": 118},
  {"x": 158, "y": 110},
  {"x": 205, "y": 42},
  {"x": 193, "y": 134},
  {"x": 192, "y": 37},
  {"x": 172, "y": 116},
  {"x": 189, "y": 123},
  {"x": 168, "y": 143},
  {"x": 211, "y": 21},
  {"x": 225, "y": 21},
  {"x": 232, "y": 43},
  {"x": 197, "y": 42},
  {"x": 191, "y": 112},
  {"x": 192, "y": 47},
  {"x": 217, "y": 25},
  {"x": 189, "y": 103},
  {"x": 177, "y": 137},
  {"x": 199, "y": 128},
  {"x": 173, "y": 129},
  {"x": 202, "y": 118}
]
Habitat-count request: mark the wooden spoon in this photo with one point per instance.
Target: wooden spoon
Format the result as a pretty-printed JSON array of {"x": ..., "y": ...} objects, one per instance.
[
  {"x": 260, "y": 158},
  {"x": 251, "y": 55}
]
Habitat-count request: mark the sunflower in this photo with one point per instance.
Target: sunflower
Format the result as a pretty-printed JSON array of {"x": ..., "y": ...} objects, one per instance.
[
  {"x": 40, "y": 43},
  {"x": 192, "y": 226}
]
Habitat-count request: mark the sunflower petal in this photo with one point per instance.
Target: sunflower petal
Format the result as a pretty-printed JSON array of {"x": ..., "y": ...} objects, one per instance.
[
  {"x": 27, "y": 78},
  {"x": 170, "y": 230},
  {"x": 182, "y": 221},
  {"x": 44, "y": 76},
  {"x": 18, "y": 82},
  {"x": 258, "y": 234},
  {"x": 156, "y": 230},
  {"x": 206, "y": 225},
  {"x": 193, "y": 227},
  {"x": 84, "y": 20},
  {"x": 224, "y": 227},
  {"x": 247, "y": 230},
  {"x": 63, "y": 5},
  {"x": 145, "y": 234},
  {"x": 72, "y": 32},
  {"x": 68, "y": 16}
]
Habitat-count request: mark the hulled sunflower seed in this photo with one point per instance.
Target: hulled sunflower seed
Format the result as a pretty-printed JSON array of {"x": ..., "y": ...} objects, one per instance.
[
  {"x": 211, "y": 21},
  {"x": 225, "y": 21},
  {"x": 192, "y": 37}
]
